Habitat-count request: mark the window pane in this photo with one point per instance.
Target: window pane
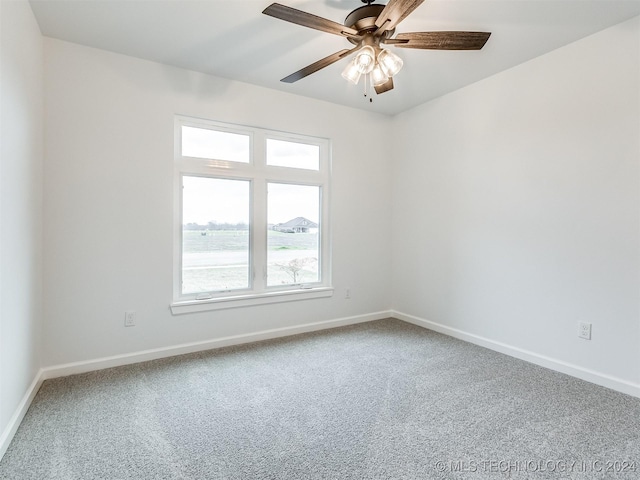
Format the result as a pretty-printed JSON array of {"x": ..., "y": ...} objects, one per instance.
[
  {"x": 216, "y": 145},
  {"x": 293, "y": 217},
  {"x": 215, "y": 233},
  {"x": 295, "y": 155}
]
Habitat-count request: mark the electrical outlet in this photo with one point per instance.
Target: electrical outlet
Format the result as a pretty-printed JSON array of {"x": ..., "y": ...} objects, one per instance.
[
  {"x": 584, "y": 330},
  {"x": 130, "y": 318},
  {"x": 347, "y": 293}
]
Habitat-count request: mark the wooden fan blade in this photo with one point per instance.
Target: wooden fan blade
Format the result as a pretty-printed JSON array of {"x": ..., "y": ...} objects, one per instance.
[
  {"x": 305, "y": 19},
  {"x": 394, "y": 12},
  {"x": 443, "y": 40},
  {"x": 314, "y": 67},
  {"x": 385, "y": 87}
]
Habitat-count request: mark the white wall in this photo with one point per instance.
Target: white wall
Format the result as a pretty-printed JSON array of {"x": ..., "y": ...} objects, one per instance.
[
  {"x": 516, "y": 206},
  {"x": 108, "y": 202},
  {"x": 20, "y": 207}
]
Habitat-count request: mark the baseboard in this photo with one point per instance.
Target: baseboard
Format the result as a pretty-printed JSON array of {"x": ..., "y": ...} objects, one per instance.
[
  {"x": 592, "y": 376},
  {"x": 16, "y": 419},
  {"x": 170, "y": 351}
]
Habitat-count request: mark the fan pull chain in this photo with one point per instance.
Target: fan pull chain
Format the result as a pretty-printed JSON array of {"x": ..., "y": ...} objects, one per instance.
[{"x": 367, "y": 88}]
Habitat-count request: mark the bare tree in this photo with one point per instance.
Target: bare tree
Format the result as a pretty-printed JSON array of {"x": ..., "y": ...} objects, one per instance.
[{"x": 295, "y": 266}]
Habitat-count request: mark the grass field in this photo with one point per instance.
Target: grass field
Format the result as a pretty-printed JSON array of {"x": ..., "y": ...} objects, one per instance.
[
  {"x": 203, "y": 241},
  {"x": 218, "y": 259}
]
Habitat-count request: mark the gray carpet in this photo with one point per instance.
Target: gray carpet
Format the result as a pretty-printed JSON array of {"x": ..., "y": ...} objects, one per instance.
[{"x": 381, "y": 400}]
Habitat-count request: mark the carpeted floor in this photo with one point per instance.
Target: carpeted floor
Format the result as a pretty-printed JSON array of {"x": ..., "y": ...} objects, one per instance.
[{"x": 380, "y": 400}]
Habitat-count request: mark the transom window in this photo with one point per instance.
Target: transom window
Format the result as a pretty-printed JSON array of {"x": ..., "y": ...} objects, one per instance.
[{"x": 251, "y": 216}]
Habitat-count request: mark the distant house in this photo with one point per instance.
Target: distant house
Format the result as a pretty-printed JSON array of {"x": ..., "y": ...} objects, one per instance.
[{"x": 296, "y": 225}]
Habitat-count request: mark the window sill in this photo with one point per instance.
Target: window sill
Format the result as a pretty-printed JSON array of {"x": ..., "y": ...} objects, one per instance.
[{"x": 220, "y": 303}]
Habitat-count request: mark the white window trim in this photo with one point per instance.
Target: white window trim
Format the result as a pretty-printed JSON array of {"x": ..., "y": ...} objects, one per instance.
[
  {"x": 249, "y": 300},
  {"x": 260, "y": 174}
]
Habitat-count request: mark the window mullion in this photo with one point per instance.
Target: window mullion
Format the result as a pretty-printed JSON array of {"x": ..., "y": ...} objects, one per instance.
[{"x": 259, "y": 211}]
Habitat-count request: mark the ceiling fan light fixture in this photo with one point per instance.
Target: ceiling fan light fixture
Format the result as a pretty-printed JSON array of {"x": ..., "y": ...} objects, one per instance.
[
  {"x": 352, "y": 72},
  {"x": 367, "y": 28},
  {"x": 366, "y": 59},
  {"x": 389, "y": 62},
  {"x": 378, "y": 77}
]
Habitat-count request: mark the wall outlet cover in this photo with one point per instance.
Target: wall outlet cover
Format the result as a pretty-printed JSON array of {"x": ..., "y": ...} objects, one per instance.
[
  {"x": 584, "y": 330},
  {"x": 130, "y": 318}
]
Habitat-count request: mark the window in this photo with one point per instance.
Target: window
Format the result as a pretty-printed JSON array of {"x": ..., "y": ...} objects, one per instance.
[
  {"x": 290, "y": 154},
  {"x": 215, "y": 234},
  {"x": 292, "y": 243},
  {"x": 251, "y": 216}
]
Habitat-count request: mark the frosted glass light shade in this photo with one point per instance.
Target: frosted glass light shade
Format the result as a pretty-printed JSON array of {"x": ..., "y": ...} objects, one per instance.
[
  {"x": 378, "y": 77},
  {"x": 351, "y": 72},
  {"x": 365, "y": 59},
  {"x": 389, "y": 62}
]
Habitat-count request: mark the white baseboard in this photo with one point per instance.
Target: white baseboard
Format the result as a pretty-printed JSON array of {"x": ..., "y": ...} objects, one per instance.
[
  {"x": 592, "y": 376},
  {"x": 163, "y": 352},
  {"x": 16, "y": 419}
]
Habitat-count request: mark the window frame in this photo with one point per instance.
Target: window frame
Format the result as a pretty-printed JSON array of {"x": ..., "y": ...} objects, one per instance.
[{"x": 259, "y": 174}]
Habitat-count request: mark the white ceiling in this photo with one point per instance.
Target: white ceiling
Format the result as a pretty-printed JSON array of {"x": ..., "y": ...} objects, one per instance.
[{"x": 232, "y": 39}]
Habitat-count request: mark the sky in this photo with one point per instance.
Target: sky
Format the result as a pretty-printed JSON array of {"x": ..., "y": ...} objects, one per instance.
[
  {"x": 203, "y": 143},
  {"x": 227, "y": 201}
]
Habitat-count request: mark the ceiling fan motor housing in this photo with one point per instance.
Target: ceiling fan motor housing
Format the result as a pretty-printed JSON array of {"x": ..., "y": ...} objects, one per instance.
[{"x": 363, "y": 19}]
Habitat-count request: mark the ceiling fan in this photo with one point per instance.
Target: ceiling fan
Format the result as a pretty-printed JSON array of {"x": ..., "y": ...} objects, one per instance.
[{"x": 368, "y": 28}]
